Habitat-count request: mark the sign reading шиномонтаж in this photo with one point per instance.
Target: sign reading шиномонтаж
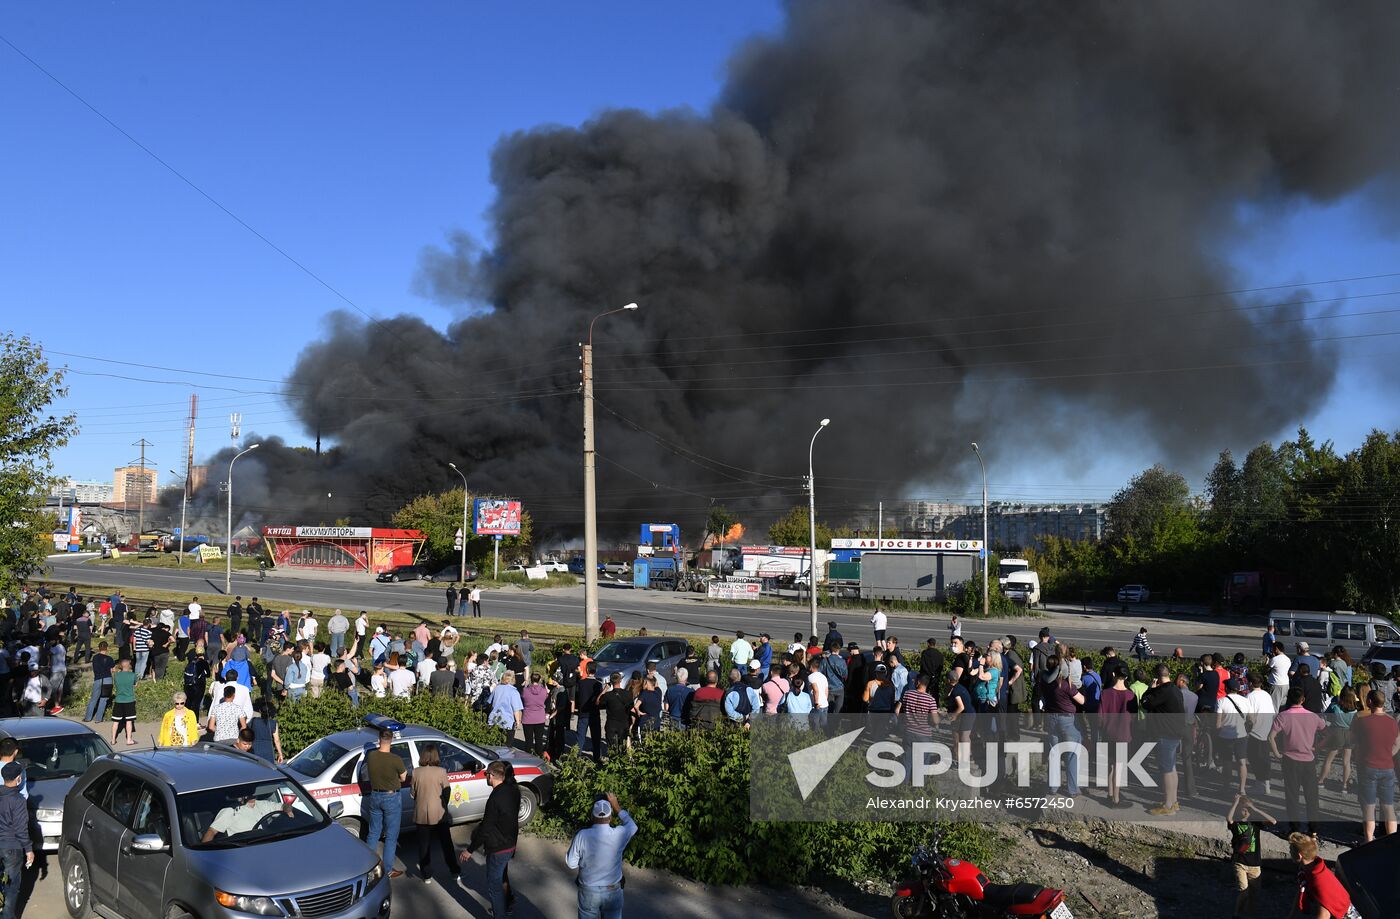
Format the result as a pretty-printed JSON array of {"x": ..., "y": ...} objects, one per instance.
[{"x": 909, "y": 545}]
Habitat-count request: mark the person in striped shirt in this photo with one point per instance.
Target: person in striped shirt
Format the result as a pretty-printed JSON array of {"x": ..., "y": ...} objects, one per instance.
[
  {"x": 918, "y": 710},
  {"x": 141, "y": 647}
]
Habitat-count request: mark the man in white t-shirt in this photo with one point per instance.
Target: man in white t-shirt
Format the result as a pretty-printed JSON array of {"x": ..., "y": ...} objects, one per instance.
[
  {"x": 306, "y": 628},
  {"x": 821, "y": 693},
  {"x": 401, "y": 683},
  {"x": 426, "y": 668},
  {"x": 1262, "y": 711},
  {"x": 497, "y": 647},
  {"x": 1279, "y": 665},
  {"x": 1232, "y": 717},
  {"x": 234, "y": 820},
  {"x": 194, "y": 609},
  {"x": 878, "y": 621}
]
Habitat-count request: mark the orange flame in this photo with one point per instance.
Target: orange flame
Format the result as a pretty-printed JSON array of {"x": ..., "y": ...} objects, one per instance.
[{"x": 731, "y": 536}]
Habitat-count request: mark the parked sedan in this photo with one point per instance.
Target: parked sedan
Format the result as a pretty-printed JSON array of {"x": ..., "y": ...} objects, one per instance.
[
  {"x": 401, "y": 573},
  {"x": 53, "y": 752},
  {"x": 1133, "y": 593},
  {"x": 332, "y": 770},
  {"x": 451, "y": 574},
  {"x": 630, "y": 656}
]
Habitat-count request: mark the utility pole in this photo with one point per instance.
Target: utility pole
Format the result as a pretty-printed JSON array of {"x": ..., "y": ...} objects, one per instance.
[
  {"x": 590, "y": 493},
  {"x": 184, "y": 503},
  {"x": 465, "y": 529},
  {"x": 880, "y": 527},
  {"x": 141, "y": 508},
  {"x": 812, "y": 525},
  {"x": 986, "y": 555}
]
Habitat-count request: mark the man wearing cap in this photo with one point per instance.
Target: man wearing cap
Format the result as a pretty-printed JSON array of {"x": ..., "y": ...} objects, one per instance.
[
  {"x": 1305, "y": 656},
  {"x": 764, "y": 654},
  {"x": 15, "y": 847},
  {"x": 379, "y": 645},
  {"x": 833, "y": 639},
  {"x": 596, "y": 853}
]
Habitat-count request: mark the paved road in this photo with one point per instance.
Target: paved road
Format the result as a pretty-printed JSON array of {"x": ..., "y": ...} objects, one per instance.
[{"x": 1196, "y": 633}]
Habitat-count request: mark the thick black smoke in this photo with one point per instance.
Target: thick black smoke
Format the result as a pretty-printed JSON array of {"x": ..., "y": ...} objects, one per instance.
[{"x": 982, "y": 216}]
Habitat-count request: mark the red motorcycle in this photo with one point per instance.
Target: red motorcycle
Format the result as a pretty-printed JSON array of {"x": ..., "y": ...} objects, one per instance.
[{"x": 949, "y": 888}]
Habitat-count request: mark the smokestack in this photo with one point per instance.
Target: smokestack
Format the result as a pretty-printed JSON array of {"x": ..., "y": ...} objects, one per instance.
[{"x": 943, "y": 221}]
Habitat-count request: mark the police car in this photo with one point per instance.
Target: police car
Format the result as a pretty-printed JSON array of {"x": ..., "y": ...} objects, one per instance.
[{"x": 330, "y": 769}]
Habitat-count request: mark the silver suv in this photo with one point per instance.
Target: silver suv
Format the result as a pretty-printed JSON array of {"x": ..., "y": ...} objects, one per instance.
[{"x": 209, "y": 832}]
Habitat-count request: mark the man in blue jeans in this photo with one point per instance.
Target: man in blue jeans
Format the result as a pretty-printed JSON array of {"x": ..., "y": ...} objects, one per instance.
[
  {"x": 596, "y": 852},
  {"x": 101, "y": 684},
  {"x": 496, "y": 836},
  {"x": 16, "y": 853},
  {"x": 386, "y": 773}
]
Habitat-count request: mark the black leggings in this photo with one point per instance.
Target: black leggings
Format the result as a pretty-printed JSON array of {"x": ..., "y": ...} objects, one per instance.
[
  {"x": 442, "y": 832},
  {"x": 534, "y": 738}
]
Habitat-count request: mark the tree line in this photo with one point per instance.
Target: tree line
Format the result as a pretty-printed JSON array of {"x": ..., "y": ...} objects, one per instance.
[{"x": 1299, "y": 508}]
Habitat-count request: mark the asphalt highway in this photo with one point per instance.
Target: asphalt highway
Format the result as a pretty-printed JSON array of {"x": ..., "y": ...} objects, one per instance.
[{"x": 1194, "y": 632}]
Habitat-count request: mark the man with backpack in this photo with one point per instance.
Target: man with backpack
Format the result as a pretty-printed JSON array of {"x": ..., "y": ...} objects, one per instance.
[{"x": 740, "y": 700}]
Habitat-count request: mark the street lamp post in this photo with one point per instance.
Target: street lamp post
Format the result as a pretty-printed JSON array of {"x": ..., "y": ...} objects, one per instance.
[
  {"x": 228, "y": 539},
  {"x": 462, "y": 571},
  {"x": 590, "y": 496},
  {"x": 184, "y": 501},
  {"x": 812, "y": 526},
  {"x": 986, "y": 550}
]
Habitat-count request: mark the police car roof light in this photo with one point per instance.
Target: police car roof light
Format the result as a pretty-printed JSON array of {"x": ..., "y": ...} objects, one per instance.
[{"x": 384, "y": 723}]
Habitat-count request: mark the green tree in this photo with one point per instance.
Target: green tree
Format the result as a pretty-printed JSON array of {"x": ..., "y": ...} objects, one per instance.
[
  {"x": 719, "y": 522},
  {"x": 29, "y": 434},
  {"x": 1148, "y": 499},
  {"x": 439, "y": 516},
  {"x": 792, "y": 529}
]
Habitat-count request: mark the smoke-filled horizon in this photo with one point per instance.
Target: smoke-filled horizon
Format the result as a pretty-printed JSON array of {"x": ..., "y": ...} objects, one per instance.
[{"x": 931, "y": 222}]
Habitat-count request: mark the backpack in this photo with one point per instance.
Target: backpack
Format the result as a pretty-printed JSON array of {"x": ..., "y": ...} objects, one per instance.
[
  {"x": 192, "y": 672},
  {"x": 1334, "y": 684},
  {"x": 742, "y": 704},
  {"x": 1091, "y": 687}
]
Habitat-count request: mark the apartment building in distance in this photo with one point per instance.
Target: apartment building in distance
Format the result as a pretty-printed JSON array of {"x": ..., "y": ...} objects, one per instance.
[
  {"x": 77, "y": 491},
  {"x": 133, "y": 485}
]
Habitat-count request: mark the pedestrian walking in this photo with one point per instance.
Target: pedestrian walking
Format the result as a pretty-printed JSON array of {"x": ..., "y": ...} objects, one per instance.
[
  {"x": 596, "y": 854},
  {"x": 496, "y": 836},
  {"x": 1140, "y": 647},
  {"x": 385, "y": 772},
  {"x": 431, "y": 792}
]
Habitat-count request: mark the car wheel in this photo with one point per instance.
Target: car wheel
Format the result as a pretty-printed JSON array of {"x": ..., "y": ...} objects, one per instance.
[
  {"x": 529, "y": 803},
  {"x": 77, "y": 886},
  {"x": 393, "y": 578},
  {"x": 352, "y": 825},
  {"x": 176, "y": 911}
]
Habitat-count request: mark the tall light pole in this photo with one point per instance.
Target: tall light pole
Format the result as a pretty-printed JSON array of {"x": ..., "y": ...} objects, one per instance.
[
  {"x": 812, "y": 525},
  {"x": 590, "y": 495},
  {"x": 462, "y": 571},
  {"x": 228, "y": 543},
  {"x": 986, "y": 549},
  {"x": 184, "y": 501}
]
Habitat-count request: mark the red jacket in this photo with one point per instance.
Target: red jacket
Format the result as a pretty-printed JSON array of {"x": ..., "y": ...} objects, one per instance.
[{"x": 1318, "y": 886}]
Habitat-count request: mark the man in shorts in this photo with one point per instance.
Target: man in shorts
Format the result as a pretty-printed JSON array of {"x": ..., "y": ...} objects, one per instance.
[{"x": 1245, "y": 822}]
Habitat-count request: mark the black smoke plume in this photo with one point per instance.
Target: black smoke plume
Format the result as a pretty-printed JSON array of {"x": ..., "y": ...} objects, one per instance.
[{"x": 931, "y": 222}]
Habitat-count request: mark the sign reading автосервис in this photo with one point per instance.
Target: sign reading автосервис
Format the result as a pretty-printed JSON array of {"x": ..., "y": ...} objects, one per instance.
[{"x": 909, "y": 545}]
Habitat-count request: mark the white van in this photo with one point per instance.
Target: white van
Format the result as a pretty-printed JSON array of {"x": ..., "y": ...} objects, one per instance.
[
  {"x": 1009, "y": 566},
  {"x": 1023, "y": 587},
  {"x": 1324, "y": 630}
]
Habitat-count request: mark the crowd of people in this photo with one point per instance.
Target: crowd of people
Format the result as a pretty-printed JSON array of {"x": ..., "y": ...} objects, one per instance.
[{"x": 1247, "y": 724}]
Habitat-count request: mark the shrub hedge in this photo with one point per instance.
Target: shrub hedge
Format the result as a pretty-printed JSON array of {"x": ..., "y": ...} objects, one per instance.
[{"x": 304, "y": 722}]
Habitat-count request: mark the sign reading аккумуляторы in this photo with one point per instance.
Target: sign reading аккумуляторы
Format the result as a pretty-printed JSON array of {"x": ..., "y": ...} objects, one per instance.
[{"x": 867, "y": 767}]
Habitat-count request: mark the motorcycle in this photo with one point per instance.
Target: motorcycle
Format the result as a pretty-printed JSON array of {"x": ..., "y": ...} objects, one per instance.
[{"x": 949, "y": 887}]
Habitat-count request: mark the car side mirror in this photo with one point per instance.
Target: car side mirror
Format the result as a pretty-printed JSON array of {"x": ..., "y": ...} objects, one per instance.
[
  {"x": 149, "y": 842},
  {"x": 335, "y": 809}
]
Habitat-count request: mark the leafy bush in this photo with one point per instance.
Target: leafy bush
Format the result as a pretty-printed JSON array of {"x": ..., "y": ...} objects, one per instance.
[
  {"x": 302, "y": 723},
  {"x": 689, "y": 793}
]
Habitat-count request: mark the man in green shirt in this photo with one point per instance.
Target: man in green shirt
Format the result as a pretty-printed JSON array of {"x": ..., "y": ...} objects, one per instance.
[
  {"x": 124, "y": 701},
  {"x": 386, "y": 774}
]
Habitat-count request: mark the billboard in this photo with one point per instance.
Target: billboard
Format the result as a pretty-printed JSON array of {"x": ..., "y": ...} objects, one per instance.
[{"x": 495, "y": 517}]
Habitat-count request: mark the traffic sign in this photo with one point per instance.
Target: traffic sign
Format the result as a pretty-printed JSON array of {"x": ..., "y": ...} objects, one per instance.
[
  {"x": 457, "y": 535},
  {"x": 498, "y": 537}
]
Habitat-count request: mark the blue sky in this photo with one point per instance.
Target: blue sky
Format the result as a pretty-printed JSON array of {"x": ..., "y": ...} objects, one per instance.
[{"x": 352, "y": 135}]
